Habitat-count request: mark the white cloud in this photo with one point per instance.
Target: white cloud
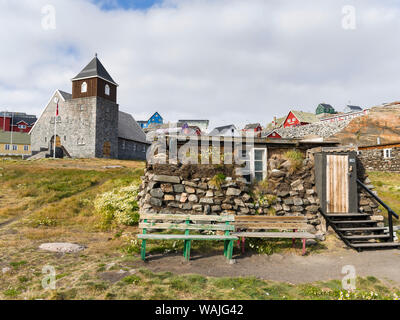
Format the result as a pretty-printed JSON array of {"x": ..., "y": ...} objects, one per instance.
[{"x": 227, "y": 61}]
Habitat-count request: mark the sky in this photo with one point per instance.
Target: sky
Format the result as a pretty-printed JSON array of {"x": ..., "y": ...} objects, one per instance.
[{"x": 229, "y": 61}]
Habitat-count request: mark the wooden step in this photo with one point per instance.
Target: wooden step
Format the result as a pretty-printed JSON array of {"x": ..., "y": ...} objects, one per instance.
[
  {"x": 347, "y": 215},
  {"x": 377, "y": 245},
  {"x": 353, "y": 221},
  {"x": 367, "y": 229},
  {"x": 368, "y": 237}
]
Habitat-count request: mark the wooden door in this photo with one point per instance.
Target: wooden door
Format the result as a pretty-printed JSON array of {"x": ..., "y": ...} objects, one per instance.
[
  {"x": 107, "y": 150},
  {"x": 58, "y": 142},
  {"x": 337, "y": 183}
]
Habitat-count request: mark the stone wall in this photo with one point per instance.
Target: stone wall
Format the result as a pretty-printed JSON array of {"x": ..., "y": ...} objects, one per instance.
[
  {"x": 374, "y": 160},
  {"x": 195, "y": 189}
]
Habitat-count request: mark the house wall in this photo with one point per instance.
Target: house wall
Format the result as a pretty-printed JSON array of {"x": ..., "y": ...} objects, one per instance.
[
  {"x": 291, "y": 121},
  {"x": 192, "y": 189},
  {"x": 20, "y": 150},
  {"x": 84, "y": 125},
  {"x": 95, "y": 87},
  {"x": 131, "y": 150},
  {"x": 5, "y": 123},
  {"x": 26, "y": 130},
  {"x": 373, "y": 159}
]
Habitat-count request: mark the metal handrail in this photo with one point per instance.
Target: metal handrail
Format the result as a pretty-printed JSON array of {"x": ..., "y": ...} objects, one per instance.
[{"x": 391, "y": 213}]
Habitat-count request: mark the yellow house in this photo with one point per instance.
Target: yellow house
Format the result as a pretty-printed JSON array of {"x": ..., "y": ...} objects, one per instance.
[{"x": 14, "y": 143}]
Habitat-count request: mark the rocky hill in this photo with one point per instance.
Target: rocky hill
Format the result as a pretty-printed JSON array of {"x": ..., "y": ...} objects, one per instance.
[{"x": 382, "y": 122}]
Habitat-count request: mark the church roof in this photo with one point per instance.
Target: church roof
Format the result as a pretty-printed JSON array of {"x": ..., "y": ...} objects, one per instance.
[
  {"x": 65, "y": 95},
  {"x": 129, "y": 129},
  {"x": 95, "y": 69}
]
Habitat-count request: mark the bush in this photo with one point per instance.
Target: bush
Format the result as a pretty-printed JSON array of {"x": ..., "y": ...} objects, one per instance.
[
  {"x": 118, "y": 206},
  {"x": 296, "y": 159},
  {"x": 218, "y": 180}
]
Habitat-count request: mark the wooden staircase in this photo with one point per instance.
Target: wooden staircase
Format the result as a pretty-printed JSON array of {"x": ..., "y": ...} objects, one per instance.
[{"x": 359, "y": 232}]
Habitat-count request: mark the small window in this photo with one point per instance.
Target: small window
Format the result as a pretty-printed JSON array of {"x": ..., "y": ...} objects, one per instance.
[
  {"x": 15, "y": 147},
  {"x": 82, "y": 108},
  {"x": 21, "y": 126},
  {"x": 123, "y": 145},
  {"x": 26, "y": 148},
  {"x": 107, "y": 90},
  {"x": 45, "y": 139},
  {"x": 7, "y": 147},
  {"x": 65, "y": 138},
  {"x": 84, "y": 87},
  {"x": 144, "y": 148},
  {"x": 387, "y": 153},
  {"x": 134, "y": 147}
]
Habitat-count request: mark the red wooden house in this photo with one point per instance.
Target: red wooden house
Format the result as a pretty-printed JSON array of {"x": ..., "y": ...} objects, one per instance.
[
  {"x": 299, "y": 118},
  {"x": 5, "y": 123},
  {"x": 16, "y": 121},
  {"x": 274, "y": 135}
]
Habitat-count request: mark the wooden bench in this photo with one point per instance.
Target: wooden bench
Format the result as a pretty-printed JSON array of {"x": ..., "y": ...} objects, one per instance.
[
  {"x": 278, "y": 227},
  {"x": 185, "y": 224}
]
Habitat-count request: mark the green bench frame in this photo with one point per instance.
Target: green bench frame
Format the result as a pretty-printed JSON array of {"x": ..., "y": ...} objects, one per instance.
[{"x": 185, "y": 223}]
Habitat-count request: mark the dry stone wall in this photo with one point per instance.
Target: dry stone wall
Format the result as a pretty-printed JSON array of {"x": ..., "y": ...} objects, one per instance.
[
  {"x": 217, "y": 190},
  {"x": 374, "y": 160}
]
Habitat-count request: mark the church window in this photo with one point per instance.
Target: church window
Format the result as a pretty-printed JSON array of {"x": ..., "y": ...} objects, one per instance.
[
  {"x": 84, "y": 87},
  {"x": 107, "y": 90},
  {"x": 82, "y": 108}
]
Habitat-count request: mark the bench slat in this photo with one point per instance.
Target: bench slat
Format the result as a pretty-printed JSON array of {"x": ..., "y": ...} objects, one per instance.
[
  {"x": 228, "y": 218},
  {"x": 269, "y": 219},
  {"x": 289, "y": 235},
  {"x": 183, "y": 226},
  {"x": 282, "y": 226},
  {"x": 184, "y": 237}
]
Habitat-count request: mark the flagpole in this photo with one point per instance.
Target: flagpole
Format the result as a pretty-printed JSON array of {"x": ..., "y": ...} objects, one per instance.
[
  {"x": 55, "y": 132},
  {"x": 12, "y": 129}
]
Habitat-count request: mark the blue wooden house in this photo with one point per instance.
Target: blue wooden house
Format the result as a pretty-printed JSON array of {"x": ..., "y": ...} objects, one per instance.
[{"x": 155, "y": 118}]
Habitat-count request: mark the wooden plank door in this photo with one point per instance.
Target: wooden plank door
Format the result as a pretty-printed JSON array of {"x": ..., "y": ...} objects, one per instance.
[{"x": 337, "y": 183}]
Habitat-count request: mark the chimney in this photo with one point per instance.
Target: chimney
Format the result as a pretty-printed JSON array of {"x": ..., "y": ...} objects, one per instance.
[{"x": 275, "y": 122}]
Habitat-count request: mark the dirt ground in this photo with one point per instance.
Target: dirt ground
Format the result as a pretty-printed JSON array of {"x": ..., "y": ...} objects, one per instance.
[{"x": 291, "y": 268}]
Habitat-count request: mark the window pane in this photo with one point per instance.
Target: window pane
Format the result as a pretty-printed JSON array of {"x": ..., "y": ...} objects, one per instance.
[
  {"x": 259, "y": 176},
  {"x": 258, "y": 154},
  {"x": 258, "y": 166}
]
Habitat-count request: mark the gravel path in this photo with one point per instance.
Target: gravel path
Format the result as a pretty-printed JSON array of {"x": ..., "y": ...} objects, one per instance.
[{"x": 290, "y": 268}]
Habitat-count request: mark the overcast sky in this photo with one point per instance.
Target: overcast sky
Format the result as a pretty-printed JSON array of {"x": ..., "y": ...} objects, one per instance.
[{"x": 224, "y": 60}]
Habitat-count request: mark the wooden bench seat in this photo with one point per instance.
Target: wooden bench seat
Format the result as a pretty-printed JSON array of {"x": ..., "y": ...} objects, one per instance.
[
  {"x": 282, "y": 227},
  {"x": 183, "y": 237},
  {"x": 186, "y": 224}
]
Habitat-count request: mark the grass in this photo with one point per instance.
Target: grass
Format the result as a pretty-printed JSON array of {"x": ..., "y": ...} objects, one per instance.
[
  {"x": 53, "y": 201},
  {"x": 388, "y": 186}
]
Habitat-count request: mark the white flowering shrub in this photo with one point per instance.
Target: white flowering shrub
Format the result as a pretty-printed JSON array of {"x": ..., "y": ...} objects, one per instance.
[{"x": 118, "y": 206}]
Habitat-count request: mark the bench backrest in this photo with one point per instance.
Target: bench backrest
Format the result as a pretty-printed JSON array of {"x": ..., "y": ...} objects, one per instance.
[
  {"x": 270, "y": 223},
  {"x": 185, "y": 222}
]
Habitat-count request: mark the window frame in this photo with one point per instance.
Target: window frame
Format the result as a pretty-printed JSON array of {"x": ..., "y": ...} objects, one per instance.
[
  {"x": 387, "y": 153},
  {"x": 107, "y": 90},
  {"x": 252, "y": 163},
  {"x": 84, "y": 87}
]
